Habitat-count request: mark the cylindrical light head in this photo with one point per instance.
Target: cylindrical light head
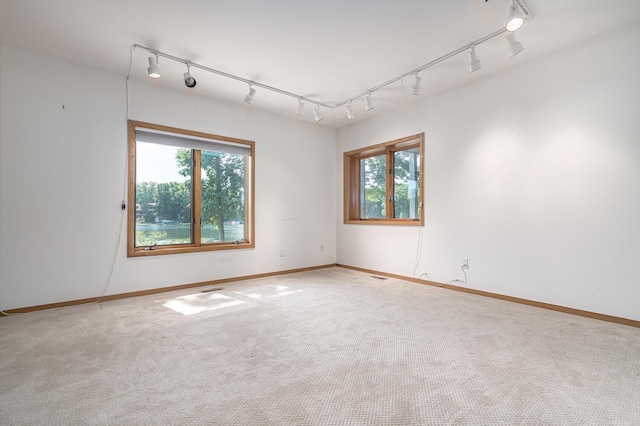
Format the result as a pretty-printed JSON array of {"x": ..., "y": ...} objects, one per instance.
[
  {"x": 415, "y": 89},
  {"x": 189, "y": 81},
  {"x": 368, "y": 103},
  {"x": 249, "y": 98},
  {"x": 153, "y": 70},
  {"x": 515, "y": 20},
  {"x": 514, "y": 47},
  {"x": 300, "y": 109},
  {"x": 350, "y": 113},
  {"x": 316, "y": 114},
  {"x": 474, "y": 62}
]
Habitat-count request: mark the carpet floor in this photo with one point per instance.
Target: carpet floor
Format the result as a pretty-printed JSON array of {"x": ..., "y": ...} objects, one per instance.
[{"x": 325, "y": 347}]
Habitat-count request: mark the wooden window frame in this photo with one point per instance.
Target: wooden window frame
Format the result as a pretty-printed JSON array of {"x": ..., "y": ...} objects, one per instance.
[
  {"x": 351, "y": 163},
  {"x": 196, "y": 245}
]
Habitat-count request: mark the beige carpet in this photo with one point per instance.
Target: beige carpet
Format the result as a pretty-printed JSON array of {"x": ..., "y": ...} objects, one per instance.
[{"x": 327, "y": 347}]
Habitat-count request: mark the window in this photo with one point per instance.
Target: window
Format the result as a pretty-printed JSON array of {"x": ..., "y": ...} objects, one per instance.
[
  {"x": 188, "y": 191},
  {"x": 383, "y": 183}
]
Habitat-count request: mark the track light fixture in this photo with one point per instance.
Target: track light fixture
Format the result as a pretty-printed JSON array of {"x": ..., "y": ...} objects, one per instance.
[
  {"x": 415, "y": 89},
  {"x": 474, "y": 62},
  {"x": 189, "y": 81},
  {"x": 252, "y": 93},
  {"x": 350, "y": 113},
  {"x": 316, "y": 114},
  {"x": 515, "y": 19},
  {"x": 515, "y": 46},
  {"x": 519, "y": 11},
  {"x": 368, "y": 103},
  {"x": 154, "y": 69}
]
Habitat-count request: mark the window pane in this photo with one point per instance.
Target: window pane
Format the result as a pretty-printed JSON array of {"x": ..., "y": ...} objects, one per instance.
[
  {"x": 406, "y": 183},
  {"x": 163, "y": 195},
  {"x": 373, "y": 187},
  {"x": 222, "y": 202}
]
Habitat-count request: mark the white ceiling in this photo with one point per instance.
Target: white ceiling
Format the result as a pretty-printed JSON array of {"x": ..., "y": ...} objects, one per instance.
[{"x": 328, "y": 50}]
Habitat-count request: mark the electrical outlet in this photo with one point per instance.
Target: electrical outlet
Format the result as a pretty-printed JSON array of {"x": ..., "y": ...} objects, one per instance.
[
  {"x": 281, "y": 253},
  {"x": 321, "y": 247},
  {"x": 465, "y": 263}
]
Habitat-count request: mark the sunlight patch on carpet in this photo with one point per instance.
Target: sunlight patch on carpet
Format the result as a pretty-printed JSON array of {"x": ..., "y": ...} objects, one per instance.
[
  {"x": 200, "y": 302},
  {"x": 268, "y": 291},
  {"x": 203, "y": 302}
]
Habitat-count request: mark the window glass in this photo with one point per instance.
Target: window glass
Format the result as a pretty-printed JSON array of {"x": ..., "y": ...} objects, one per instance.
[
  {"x": 406, "y": 186},
  {"x": 223, "y": 204},
  {"x": 163, "y": 195},
  {"x": 373, "y": 187}
]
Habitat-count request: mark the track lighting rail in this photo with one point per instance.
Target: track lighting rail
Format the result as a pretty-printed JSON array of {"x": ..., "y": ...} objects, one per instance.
[
  {"x": 423, "y": 67},
  {"x": 227, "y": 75},
  {"x": 528, "y": 15}
]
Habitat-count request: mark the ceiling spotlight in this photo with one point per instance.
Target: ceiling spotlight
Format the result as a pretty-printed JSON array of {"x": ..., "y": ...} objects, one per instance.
[
  {"x": 249, "y": 98},
  {"x": 514, "y": 47},
  {"x": 415, "y": 89},
  {"x": 350, "y": 113},
  {"x": 368, "y": 103},
  {"x": 154, "y": 69},
  {"x": 515, "y": 20},
  {"x": 474, "y": 62},
  {"x": 317, "y": 115},
  {"x": 300, "y": 109},
  {"x": 189, "y": 81}
]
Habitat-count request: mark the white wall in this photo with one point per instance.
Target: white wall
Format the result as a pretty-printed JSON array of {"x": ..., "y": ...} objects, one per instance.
[
  {"x": 62, "y": 178},
  {"x": 534, "y": 175}
]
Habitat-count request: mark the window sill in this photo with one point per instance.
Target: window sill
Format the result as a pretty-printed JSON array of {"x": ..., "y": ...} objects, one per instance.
[
  {"x": 142, "y": 251},
  {"x": 397, "y": 222}
]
